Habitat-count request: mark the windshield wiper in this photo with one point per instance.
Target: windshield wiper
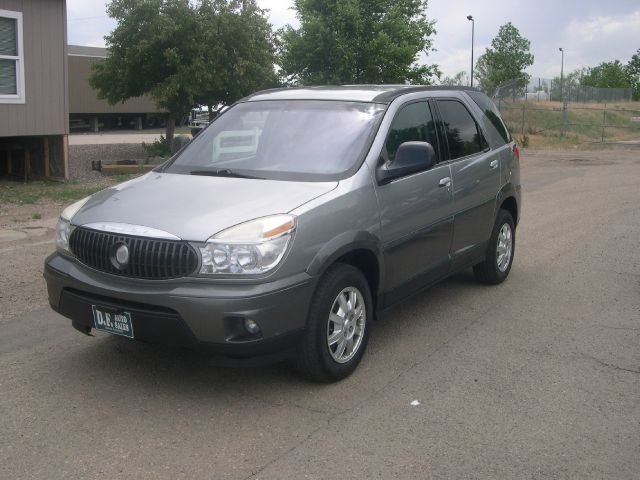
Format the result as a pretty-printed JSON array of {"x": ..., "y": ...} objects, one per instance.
[{"x": 223, "y": 172}]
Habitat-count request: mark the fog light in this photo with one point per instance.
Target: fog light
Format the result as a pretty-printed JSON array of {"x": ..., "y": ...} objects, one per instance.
[{"x": 252, "y": 327}]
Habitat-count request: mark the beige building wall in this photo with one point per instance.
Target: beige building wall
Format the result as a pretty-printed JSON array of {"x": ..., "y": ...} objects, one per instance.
[
  {"x": 45, "y": 111},
  {"x": 84, "y": 99}
]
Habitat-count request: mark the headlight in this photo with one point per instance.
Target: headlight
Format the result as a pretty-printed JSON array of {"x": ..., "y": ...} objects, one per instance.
[
  {"x": 250, "y": 248},
  {"x": 64, "y": 227},
  {"x": 63, "y": 232}
]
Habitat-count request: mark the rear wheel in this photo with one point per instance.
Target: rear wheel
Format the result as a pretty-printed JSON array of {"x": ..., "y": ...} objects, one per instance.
[
  {"x": 499, "y": 255},
  {"x": 337, "y": 327}
]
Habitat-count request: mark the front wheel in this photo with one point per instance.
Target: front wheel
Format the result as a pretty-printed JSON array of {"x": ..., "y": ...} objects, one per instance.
[
  {"x": 499, "y": 255},
  {"x": 337, "y": 327}
]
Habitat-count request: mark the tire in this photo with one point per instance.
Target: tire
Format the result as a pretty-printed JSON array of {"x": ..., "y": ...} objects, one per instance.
[
  {"x": 495, "y": 268},
  {"x": 318, "y": 357}
]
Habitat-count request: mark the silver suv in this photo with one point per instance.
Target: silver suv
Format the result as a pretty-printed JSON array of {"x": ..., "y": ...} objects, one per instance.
[{"x": 292, "y": 221}]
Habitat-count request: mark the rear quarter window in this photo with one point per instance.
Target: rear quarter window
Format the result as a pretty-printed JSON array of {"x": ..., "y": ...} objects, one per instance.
[{"x": 491, "y": 111}]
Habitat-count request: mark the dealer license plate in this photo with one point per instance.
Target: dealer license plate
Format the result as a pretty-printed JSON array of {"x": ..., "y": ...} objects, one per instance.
[{"x": 113, "y": 321}]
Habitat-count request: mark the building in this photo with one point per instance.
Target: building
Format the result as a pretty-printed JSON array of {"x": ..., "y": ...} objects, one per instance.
[
  {"x": 88, "y": 112},
  {"x": 33, "y": 89}
]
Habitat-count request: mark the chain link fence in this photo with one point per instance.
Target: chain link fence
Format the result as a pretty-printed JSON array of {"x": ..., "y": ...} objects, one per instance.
[{"x": 587, "y": 114}]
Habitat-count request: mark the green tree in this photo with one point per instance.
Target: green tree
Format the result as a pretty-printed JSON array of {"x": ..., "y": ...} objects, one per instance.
[
  {"x": 357, "y": 41},
  {"x": 632, "y": 70},
  {"x": 152, "y": 51},
  {"x": 505, "y": 60},
  {"x": 459, "y": 79},
  {"x": 183, "y": 52},
  {"x": 606, "y": 75},
  {"x": 569, "y": 86},
  {"x": 240, "y": 54}
]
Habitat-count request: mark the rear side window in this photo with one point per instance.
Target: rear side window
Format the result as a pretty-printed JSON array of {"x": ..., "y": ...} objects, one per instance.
[
  {"x": 461, "y": 130},
  {"x": 414, "y": 123},
  {"x": 491, "y": 111}
]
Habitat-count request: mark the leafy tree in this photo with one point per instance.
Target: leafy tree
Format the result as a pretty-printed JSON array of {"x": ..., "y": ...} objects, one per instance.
[
  {"x": 506, "y": 60},
  {"x": 569, "y": 86},
  {"x": 240, "y": 54},
  {"x": 633, "y": 74},
  {"x": 183, "y": 52},
  {"x": 152, "y": 51},
  {"x": 357, "y": 41},
  {"x": 607, "y": 75},
  {"x": 459, "y": 79}
]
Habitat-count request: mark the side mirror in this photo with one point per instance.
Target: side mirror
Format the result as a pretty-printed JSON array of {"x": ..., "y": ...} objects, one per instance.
[{"x": 411, "y": 157}]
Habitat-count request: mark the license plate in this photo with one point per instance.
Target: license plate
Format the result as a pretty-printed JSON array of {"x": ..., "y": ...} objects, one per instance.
[{"x": 113, "y": 321}]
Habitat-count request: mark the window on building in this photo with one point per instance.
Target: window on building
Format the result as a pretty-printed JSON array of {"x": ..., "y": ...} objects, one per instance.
[{"x": 11, "y": 58}]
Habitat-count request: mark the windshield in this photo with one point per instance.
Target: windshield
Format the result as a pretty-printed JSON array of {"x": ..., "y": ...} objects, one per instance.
[{"x": 283, "y": 140}]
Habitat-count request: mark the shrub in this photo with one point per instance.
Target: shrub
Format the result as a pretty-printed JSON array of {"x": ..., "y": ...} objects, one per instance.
[{"x": 158, "y": 148}]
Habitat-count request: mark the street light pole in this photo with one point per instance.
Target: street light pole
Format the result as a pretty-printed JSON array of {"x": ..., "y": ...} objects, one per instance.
[
  {"x": 562, "y": 75},
  {"x": 473, "y": 27},
  {"x": 562, "y": 99}
]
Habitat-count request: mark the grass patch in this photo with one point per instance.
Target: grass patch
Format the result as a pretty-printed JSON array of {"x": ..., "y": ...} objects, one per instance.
[
  {"x": 63, "y": 192},
  {"x": 122, "y": 177},
  {"x": 583, "y": 121},
  {"x": 552, "y": 140}
]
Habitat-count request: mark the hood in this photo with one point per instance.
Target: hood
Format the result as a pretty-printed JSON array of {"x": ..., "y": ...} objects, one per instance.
[{"x": 195, "y": 207}]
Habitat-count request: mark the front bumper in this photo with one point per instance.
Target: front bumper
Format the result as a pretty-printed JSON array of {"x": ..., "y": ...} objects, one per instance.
[{"x": 188, "y": 312}]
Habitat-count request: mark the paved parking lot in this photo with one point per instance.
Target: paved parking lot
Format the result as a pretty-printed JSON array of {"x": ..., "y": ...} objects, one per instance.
[{"x": 536, "y": 378}]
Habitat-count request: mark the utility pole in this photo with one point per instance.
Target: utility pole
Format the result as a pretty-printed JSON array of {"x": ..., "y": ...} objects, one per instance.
[
  {"x": 473, "y": 27},
  {"x": 562, "y": 76}
]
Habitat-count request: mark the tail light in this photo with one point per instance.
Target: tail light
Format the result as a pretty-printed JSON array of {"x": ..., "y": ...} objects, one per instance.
[{"x": 516, "y": 151}]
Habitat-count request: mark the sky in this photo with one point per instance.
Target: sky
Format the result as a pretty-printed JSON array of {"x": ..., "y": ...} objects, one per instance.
[{"x": 589, "y": 31}]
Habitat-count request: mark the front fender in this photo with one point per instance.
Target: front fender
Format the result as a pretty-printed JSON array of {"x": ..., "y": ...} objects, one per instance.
[{"x": 342, "y": 244}]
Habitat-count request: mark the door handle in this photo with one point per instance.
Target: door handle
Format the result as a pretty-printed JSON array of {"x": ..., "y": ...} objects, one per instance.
[
  {"x": 445, "y": 182},
  {"x": 493, "y": 164}
]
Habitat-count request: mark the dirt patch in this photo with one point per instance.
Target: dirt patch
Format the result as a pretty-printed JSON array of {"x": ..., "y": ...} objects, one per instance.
[
  {"x": 22, "y": 255},
  {"x": 612, "y": 156},
  {"x": 22, "y": 288},
  {"x": 19, "y": 216},
  {"x": 589, "y": 161}
]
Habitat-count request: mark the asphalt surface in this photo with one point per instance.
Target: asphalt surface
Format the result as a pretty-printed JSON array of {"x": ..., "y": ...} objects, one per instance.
[{"x": 536, "y": 378}]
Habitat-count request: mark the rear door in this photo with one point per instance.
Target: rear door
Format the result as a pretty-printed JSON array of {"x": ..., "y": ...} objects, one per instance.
[
  {"x": 416, "y": 210},
  {"x": 475, "y": 171}
]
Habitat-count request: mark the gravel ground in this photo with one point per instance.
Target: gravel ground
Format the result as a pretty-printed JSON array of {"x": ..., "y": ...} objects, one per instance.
[
  {"x": 22, "y": 288},
  {"x": 82, "y": 156}
]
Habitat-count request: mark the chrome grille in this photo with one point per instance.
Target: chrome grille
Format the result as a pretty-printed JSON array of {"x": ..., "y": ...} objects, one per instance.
[{"x": 149, "y": 258}]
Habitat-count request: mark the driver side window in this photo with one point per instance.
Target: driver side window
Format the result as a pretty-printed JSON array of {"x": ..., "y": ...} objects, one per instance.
[{"x": 413, "y": 123}]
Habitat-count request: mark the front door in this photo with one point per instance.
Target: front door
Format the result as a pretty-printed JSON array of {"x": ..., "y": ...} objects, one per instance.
[{"x": 416, "y": 210}]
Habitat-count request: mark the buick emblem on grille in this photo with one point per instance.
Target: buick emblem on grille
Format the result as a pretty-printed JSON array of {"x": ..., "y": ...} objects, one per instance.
[
  {"x": 133, "y": 256},
  {"x": 122, "y": 256}
]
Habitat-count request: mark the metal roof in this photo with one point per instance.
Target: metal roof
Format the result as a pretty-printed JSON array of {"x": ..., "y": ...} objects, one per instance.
[
  {"x": 353, "y": 93},
  {"x": 82, "y": 51}
]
